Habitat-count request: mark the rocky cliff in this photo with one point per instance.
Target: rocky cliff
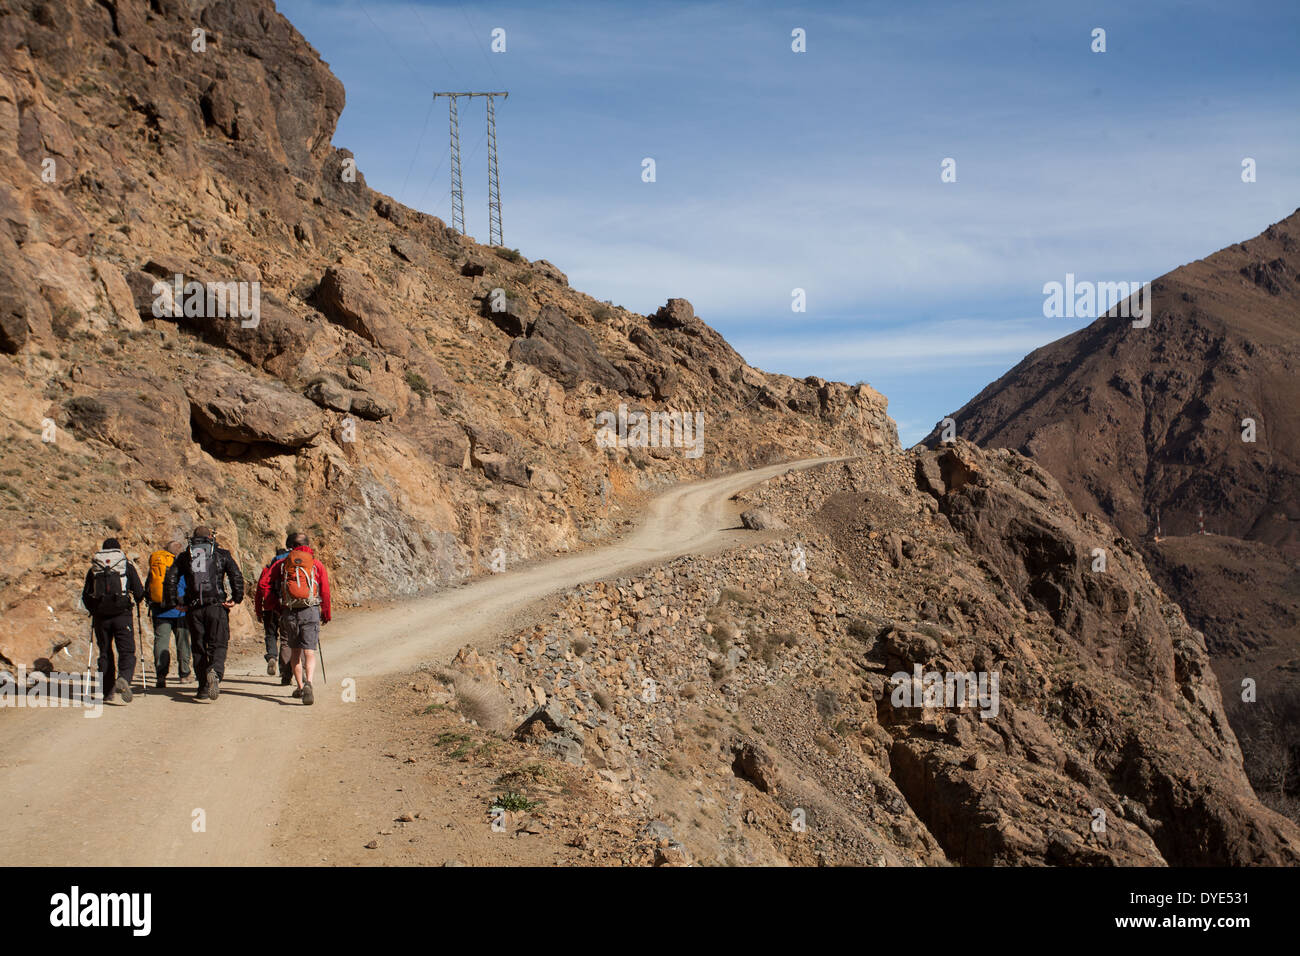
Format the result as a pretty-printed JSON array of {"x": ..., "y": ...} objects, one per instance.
[
  {"x": 423, "y": 405},
  {"x": 1191, "y": 419}
]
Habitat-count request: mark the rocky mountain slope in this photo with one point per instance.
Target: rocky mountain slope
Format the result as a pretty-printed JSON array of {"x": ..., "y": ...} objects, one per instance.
[
  {"x": 377, "y": 400},
  {"x": 1144, "y": 422},
  {"x": 766, "y": 705}
]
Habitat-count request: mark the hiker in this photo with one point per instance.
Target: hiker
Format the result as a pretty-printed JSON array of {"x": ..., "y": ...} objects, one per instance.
[
  {"x": 112, "y": 584},
  {"x": 301, "y": 587},
  {"x": 206, "y": 569},
  {"x": 167, "y": 621},
  {"x": 267, "y": 610}
]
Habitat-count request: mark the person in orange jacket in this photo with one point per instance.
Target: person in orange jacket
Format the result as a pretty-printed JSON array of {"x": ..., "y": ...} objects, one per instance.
[{"x": 301, "y": 587}]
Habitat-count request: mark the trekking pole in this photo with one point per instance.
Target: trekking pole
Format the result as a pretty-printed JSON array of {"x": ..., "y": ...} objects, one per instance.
[
  {"x": 320, "y": 650},
  {"x": 144, "y": 676}
]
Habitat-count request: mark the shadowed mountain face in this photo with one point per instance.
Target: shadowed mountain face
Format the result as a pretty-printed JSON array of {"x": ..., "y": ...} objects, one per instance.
[
  {"x": 1143, "y": 422},
  {"x": 383, "y": 398}
]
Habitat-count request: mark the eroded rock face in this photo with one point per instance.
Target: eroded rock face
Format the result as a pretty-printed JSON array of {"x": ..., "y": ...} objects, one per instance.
[{"x": 1147, "y": 426}]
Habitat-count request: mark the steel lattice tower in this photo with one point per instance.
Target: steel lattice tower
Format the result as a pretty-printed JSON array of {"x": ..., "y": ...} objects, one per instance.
[
  {"x": 494, "y": 179},
  {"x": 457, "y": 189}
]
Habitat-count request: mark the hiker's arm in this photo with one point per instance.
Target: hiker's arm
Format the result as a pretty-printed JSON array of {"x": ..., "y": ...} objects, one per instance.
[
  {"x": 325, "y": 612},
  {"x": 86, "y": 599},
  {"x": 263, "y": 605},
  {"x": 236, "y": 579},
  {"x": 133, "y": 582}
]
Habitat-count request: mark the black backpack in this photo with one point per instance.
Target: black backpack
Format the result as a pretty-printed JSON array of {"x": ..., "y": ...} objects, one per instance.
[
  {"x": 205, "y": 579},
  {"x": 108, "y": 584}
]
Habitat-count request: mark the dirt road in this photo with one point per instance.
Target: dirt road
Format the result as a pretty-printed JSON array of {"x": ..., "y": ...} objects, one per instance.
[{"x": 168, "y": 780}]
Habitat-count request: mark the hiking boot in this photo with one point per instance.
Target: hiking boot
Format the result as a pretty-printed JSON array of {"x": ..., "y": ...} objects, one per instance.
[
  {"x": 214, "y": 685},
  {"x": 286, "y": 680},
  {"x": 297, "y": 692},
  {"x": 201, "y": 693},
  {"x": 270, "y": 667},
  {"x": 307, "y": 696},
  {"x": 183, "y": 678},
  {"x": 162, "y": 682},
  {"x": 123, "y": 689}
]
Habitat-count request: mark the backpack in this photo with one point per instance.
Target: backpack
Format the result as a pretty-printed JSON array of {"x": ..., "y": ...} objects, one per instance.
[
  {"x": 204, "y": 579},
  {"x": 108, "y": 585},
  {"x": 298, "y": 585},
  {"x": 159, "y": 562}
]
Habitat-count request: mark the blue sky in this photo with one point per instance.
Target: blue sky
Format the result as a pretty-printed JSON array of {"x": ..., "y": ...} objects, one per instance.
[{"x": 820, "y": 170}]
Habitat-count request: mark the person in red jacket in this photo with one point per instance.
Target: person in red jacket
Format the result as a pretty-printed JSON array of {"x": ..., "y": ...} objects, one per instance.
[{"x": 300, "y": 586}]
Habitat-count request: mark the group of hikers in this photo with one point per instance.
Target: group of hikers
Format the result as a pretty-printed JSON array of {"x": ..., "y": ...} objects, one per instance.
[{"x": 190, "y": 588}]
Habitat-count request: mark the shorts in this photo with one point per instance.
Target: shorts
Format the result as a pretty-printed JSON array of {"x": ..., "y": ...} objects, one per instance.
[{"x": 301, "y": 627}]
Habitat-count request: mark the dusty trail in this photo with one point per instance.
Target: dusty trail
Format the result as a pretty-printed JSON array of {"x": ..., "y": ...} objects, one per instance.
[{"x": 126, "y": 788}]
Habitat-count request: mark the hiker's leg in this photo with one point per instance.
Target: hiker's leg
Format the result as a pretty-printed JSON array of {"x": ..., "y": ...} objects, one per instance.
[
  {"x": 286, "y": 654},
  {"x": 220, "y": 641},
  {"x": 124, "y": 638},
  {"x": 107, "y": 669},
  {"x": 198, "y": 643},
  {"x": 183, "y": 660},
  {"x": 162, "y": 639},
  {"x": 308, "y": 623},
  {"x": 271, "y": 636},
  {"x": 295, "y": 663}
]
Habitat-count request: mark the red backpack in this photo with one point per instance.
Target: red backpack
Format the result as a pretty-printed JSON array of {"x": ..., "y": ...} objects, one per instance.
[{"x": 298, "y": 584}]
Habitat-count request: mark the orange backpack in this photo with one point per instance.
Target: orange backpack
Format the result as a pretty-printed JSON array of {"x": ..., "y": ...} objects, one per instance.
[
  {"x": 298, "y": 585},
  {"x": 159, "y": 562}
]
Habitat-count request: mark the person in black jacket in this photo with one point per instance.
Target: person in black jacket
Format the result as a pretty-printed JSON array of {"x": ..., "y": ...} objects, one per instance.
[
  {"x": 207, "y": 569},
  {"x": 112, "y": 584}
]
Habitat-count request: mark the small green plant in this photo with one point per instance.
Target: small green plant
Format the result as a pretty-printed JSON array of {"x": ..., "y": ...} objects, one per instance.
[
  {"x": 514, "y": 802},
  {"x": 510, "y": 255},
  {"x": 419, "y": 385},
  {"x": 602, "y": 313},
  {"x": 360, "y": 361}
]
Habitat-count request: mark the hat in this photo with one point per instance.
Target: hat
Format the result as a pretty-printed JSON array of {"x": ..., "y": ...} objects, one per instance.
[{"x": 112, "y": 544}]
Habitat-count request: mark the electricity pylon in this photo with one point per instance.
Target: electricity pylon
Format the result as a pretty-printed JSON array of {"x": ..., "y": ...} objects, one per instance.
[{"x": 494, "y": 181}]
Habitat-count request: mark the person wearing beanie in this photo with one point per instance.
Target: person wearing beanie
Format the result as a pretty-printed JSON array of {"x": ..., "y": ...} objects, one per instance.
[
  {"x": 213, "y": 585},
  {"x": 111, "y": 585}
]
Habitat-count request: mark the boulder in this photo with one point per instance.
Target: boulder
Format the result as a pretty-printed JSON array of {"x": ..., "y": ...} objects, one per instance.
[
  {"x": 230, "y": 406},
  {"x": 751, "y": 762},
  {"x": 514, "y": 315},
  {"x": 546, "y": 269},
  {"x": 330, "y": 394},
  {"x": 502, "y": 469},
  {"x": 675, "y": 314},
  {"x": 760, "y": 519},
  {"x": 347, "y": 299},
  {"x": 563, "y": 350}
]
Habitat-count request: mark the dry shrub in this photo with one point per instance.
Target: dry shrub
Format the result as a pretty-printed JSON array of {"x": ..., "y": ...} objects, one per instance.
[{"x": 484, "y": 703}]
